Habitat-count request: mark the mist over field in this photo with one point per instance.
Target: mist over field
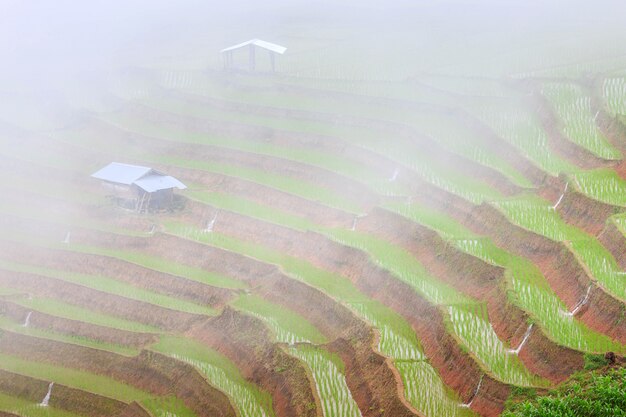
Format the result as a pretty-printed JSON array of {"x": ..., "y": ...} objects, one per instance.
[{"x": 312, "y": 208}]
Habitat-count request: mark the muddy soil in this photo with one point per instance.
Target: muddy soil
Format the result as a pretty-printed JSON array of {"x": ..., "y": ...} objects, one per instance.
[
  {"x": 370, "y": 376},
  {"x": 76, "y": 328},
  {"x": 614, "y": 240},
  {"x": 120, "y": 270},
  {"x": 578, "y": 209},
  {"x": 62, "y": 397},
  {"x": 101, "y": 301},
  {"x": 247, "y": 342},
  {"x": 150, "y": 371},
  {"x": 560, "y": 144},
  {"x": 384, "y": 128}
]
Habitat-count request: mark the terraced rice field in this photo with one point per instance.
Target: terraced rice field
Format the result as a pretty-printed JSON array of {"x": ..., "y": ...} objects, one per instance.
[{"x": 352, "y": 242}]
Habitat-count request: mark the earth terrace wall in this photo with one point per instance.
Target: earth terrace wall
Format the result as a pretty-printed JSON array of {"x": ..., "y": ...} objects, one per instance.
[
  {"x": 574, "y": 153},
  {"x": 150, "y": 371},
  {"x": 356, "y": 190},
  {"x": 446, "y": 263},
  {"x": 63, "y": 398},
  {"x": 247, "y": 342},
  {"x": 457, "y": 368},
  {"x": 270, "y": 197},
  {"x": 98, "y": 265},
  {"x": 578, "y": 209},
  {"x": 614, "y": 240},
  {"x": 386, "y": 128},
  {"x": 107, "y": 303},
  {"x": 76, "y": 328},
  {"x": 331, "y": 318},
  {"x": 610, "y": 126},
  {"x": 567, "y": 277}
]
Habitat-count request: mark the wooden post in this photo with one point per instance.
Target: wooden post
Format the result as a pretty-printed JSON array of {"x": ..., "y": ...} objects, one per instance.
[{"x": 252, "y": 58}]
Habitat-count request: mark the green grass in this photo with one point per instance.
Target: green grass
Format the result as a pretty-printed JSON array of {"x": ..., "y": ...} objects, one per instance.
[
  {"x": 288, "y": 326},
  {"x": 397, "y": 338},
  {"x": 161, "y": 265},
  {"x": 539, "y": 216},
  {"x": 249, "y": 208},
  {"x": 73, "y": 378},
  {"x": 403, "y": 265},
  {"x": 591, "y": 395},
  {"x": 112, "y": 286},
  {"x": 221, "y": 373},
  {"x": 169, "y": 406},
  {"x": 10, "y": 325},
  {"x": 613, "y": 92},
  {"x": 330, "y": 381},
  {"x": 573, "y": 108},
  {"x": 68, "y": 311},
  {"x": 603, "y": 185},
  {"x": 26, "y": 408},
  {"x": 519, "y": 126}
]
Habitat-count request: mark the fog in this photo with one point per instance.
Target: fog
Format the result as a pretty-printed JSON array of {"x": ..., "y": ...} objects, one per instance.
[{"x": 389, "y": 192}]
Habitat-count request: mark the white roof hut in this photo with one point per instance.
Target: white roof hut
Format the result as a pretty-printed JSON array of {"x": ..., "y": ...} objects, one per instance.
[
  {"x": 252, "y": 44},
  {"x": 145, "y": 186}
]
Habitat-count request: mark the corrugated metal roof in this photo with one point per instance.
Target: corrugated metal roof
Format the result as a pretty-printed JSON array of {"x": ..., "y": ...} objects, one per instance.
[
  {"x": 261, "y": 44},
  {"x": 121, "y": 173},
  {"x": 145, "y": 178},
  {"x": 152, "y": 183}
]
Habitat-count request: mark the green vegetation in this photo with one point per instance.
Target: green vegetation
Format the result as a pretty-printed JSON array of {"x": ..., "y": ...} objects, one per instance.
[
  {"x": 221, "y": 373},
  {"x": 74, "y": 378},
  {"x": 169, "y": 406},
  {"x": 288, "y": 326},
  {"x": 112, "y": 286},
  {"x": 329, "y": 380},
  {"x": 603, "y": 185},
  {"x": 397, "y": 339},
  {"x": 592, "y": 395},
  {"x": 578, "y": 118},
  {"x": 10, "y": 325},
  {"x": 26, "y": 408}
]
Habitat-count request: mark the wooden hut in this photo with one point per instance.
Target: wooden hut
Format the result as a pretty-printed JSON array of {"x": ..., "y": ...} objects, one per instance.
[
  {"x": 137, "y": 187},
  {"x": 252, "y": 45}
]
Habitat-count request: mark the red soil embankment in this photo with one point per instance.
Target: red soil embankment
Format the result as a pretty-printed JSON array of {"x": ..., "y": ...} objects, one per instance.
[
  {"x": 553, "y": 362},
  {"x": 578, "y": 209},
  {"x": 357, "y": 191},
  {"x": 104, "y": 302},
  {"x": 248, "y": 343},
  {"x": 567, "y": 277},
  {"x": 330, "y": 317},
  {"x": 120, "y": 270},
  {"x": 76, "y": 328},
  {"x": 465, "y": 272},
  {"x": 559, "y": 143},
  {"x": 614, "y": 240},
  {"x": 367, "y": 373},
  {"x": 610, "y": 126},
  {"x": 62, "y": 397},
  {"x": 457, "y": 368},
  {"x": 385, "y": 128},
  {"x": 506, "y": 150},
  {"x": 150, "y": 371},
  {"x": 316, "y": 212},
  {"x": 370, "y": 376},
  {"x": 134, "y": 409}
]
